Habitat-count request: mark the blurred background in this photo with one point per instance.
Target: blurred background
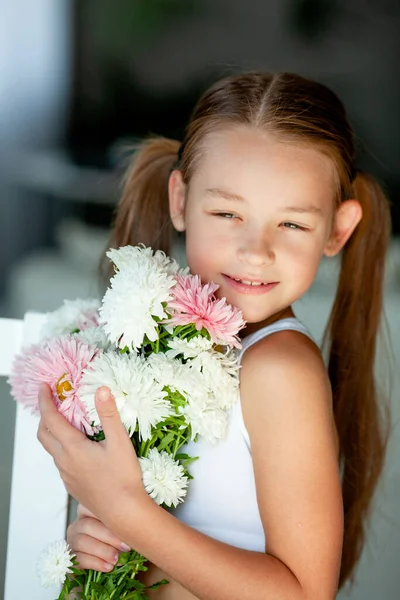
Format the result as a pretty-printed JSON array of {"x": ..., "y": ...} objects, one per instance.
[{"x": 79, "y": 79}]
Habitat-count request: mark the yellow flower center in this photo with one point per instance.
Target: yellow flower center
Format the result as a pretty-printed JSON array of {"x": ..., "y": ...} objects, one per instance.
[{"x": 63, "y": 385}]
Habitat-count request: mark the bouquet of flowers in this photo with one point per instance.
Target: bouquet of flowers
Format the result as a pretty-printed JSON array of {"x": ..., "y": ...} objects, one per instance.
[{"x": 164, "y": 345}]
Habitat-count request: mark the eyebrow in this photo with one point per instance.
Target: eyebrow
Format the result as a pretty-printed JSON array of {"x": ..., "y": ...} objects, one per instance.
[
  {"x": 223, "y": 194},
  {"x": 311, "y": 208},
  {"x": 304, "y": 209}
]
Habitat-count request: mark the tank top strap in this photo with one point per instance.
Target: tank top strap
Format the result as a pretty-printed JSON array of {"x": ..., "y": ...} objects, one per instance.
[
  {"x": 289, "y": 323},
  {"x": 281, "y": 325}
]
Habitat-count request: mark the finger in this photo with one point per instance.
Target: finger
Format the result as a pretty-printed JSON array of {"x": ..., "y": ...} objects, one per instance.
[
  {"x": 89, "y": 545},
  {"x": 82, "y": 512},
  {"x": 48, "y": 441},
  {"x": 100, "y": 533},
  {"x": 114, "y": 430},
  {"x": 54, "y": 421},
  {"x": 88, "y": 561}
]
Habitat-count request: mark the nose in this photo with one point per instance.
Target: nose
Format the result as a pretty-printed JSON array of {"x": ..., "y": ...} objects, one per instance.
[{"x": 256, "y": 249}]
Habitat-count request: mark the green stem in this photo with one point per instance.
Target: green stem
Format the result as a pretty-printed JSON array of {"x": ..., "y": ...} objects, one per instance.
[
  {"x": 181, "y": 330},
  {"x": 144, "y": 448},
  {"x": 164, "y": 334},
  {"x": 177, "y": 445},
  {"x": 88, "y": 581}
]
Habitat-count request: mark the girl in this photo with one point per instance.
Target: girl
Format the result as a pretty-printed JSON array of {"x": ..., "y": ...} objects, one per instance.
[{"x": 263, "y": 185}]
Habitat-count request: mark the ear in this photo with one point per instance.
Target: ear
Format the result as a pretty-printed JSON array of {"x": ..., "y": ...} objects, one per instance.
[
  {"x": 177, "y": 198},
  {"x": 346, "y": 219}
]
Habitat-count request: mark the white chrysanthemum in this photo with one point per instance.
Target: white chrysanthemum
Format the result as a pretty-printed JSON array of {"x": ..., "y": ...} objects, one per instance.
[
  {"x": 163, "y": 478},
  {"x": 226, "y": 360},
  {"x": 162, "y": 368},
  {"x": 188, "y": 348},
  {"x": 169, "y": 264},
  {"x": 71, "y": 316},
  {"x": 126, "y": 256},
  {"x": 207, "y": 420},
  {"x": 225, "y": 397},
  {"x": 178, "y": 377},
  {"x": 140, "y": 399},
  {"x": 220, "y": 374},
  {"x": 137, "y": 295},
  {"x": 54, "y": 564},
  {"x": 95, "y": 336}
]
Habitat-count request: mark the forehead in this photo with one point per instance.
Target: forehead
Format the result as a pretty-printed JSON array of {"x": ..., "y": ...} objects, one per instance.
[{"x": 248, "y": 161}]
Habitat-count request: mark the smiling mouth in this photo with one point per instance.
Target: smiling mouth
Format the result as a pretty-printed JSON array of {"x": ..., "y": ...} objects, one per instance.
[{"x": 250, "y": 282}]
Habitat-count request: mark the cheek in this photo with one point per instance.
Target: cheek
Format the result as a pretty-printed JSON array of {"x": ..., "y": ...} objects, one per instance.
[
  {"x": 198, "y": 252},
  {"x": 205, "y": 246},
  {"x": 304, "y": 256},
  {"x": 194, "y": 255}
]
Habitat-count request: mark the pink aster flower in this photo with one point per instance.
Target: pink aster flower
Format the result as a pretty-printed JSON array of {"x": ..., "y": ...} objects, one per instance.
[
  {"x": 60, "y": 363},
  {"x": 196, "y": 303}
]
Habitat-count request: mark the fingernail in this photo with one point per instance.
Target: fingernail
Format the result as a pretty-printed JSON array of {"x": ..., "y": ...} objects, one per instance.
[
  {"x": 108, "y": 567},
  {"x": 124, "y": 547},
  {"x": 103, "y": 394}
]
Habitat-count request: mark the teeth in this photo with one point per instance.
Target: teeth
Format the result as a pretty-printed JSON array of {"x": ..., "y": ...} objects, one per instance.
[{"x": 249, "y": 282}]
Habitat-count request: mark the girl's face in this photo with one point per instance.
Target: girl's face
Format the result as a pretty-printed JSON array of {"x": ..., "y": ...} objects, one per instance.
[{"x": 256, "y": 210}]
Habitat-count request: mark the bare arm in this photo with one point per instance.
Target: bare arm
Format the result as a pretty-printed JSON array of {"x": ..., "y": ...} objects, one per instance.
[{"x": 287, "y": 408}]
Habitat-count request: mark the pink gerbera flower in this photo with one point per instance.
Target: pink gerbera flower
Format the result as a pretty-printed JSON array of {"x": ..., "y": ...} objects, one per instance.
[
  {"x": 60, "y": 363},
  {"x": 196, "y": 303}
]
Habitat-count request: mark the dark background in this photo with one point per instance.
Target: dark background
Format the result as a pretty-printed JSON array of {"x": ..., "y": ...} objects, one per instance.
[
  {"x": 89, "y": 76},
  {"x": 136, "y": 72}
]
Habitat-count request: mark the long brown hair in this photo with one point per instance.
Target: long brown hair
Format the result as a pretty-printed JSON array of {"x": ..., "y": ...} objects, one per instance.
[{"x": 306, "y": 112}]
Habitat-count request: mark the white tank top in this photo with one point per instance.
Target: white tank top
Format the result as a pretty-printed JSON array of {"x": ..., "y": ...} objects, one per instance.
[{"x": 221, "y": 501}]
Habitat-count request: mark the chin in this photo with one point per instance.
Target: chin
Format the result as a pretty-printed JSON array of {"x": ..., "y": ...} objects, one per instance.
[
  {"x": 251, "y": 313},
  {"x": 254, "y": 316}
]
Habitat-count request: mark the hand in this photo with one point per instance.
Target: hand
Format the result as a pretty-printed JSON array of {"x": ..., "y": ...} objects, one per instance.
[
  {"x": 106, "y": 477},
  {"x": 94, "y": 545}
]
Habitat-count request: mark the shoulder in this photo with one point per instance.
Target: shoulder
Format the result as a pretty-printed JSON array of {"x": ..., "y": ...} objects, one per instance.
[
  {"x": 285, "y": 387},
  {"x": 284, "y": 361}
]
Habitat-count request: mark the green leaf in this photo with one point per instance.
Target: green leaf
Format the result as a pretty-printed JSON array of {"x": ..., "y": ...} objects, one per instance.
[
  {"x": 135, "y": 584},
  {"x": 97, "y": 437},
  {"x": 110, "y": 587},
  {"x": 124, "y": 557},
  {"x": 166, "y": 440},
  {"x": 158, "y": 584},
  {"x": 187, "y": 461},
  {"x": 136, "y": 595},
  {"x": 102, "y": 594}
]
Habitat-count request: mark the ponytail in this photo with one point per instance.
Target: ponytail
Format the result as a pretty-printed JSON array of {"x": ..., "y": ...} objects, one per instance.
[
  {"x": 142, "y": 214},
  {"x": 352, "y": 335}
]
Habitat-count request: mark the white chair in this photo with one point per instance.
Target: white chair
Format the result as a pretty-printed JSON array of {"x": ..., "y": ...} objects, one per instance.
[{"x": 39, "y": 501}]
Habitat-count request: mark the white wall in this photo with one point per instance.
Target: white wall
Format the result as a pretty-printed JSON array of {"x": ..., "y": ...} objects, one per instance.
[
  {"x": 34, "y": 67},
  {"x": 34, "y": 79},
  {"x": 34, "y": 82}
]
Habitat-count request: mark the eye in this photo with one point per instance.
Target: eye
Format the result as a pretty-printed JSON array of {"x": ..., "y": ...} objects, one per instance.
[
  {"x": 225, "y": 215},
  {"x": 289, "y": 225}
]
